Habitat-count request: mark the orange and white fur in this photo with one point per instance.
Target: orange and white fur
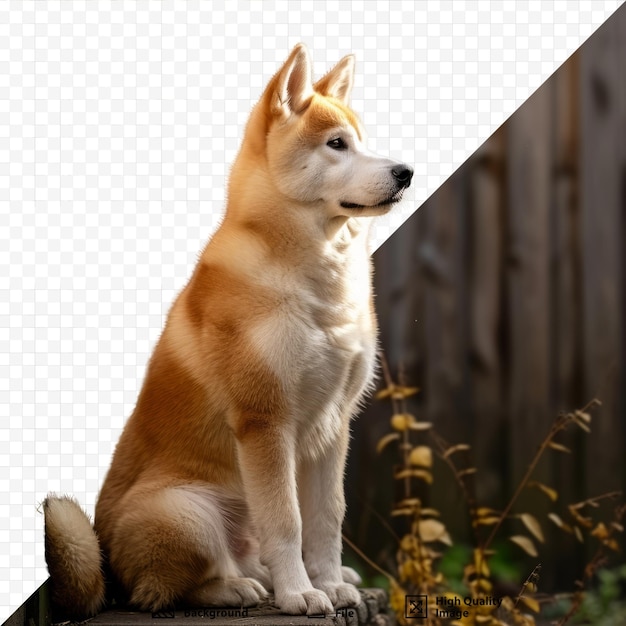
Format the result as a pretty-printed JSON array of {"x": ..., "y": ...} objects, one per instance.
[{"x": 227, "y": 481}]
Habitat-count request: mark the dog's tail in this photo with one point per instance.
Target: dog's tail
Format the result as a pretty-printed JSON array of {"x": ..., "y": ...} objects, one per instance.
[{"x": 73, "y": 557}]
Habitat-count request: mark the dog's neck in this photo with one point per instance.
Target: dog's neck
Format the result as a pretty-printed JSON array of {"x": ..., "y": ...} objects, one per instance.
[
  {"x": 290, "y": 234},
  {"x": 255, "y": 202}
]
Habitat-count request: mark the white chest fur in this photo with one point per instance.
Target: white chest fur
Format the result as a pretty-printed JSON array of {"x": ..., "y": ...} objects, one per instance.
[{"x": 320, "y": 342}]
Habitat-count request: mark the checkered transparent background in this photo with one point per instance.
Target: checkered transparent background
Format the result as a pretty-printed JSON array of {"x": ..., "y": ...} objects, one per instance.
[{"x": 119, "y": 122}]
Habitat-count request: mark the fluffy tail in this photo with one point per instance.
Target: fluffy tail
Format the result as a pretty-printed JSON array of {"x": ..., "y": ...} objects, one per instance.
[{"x": 73, "y": 557}]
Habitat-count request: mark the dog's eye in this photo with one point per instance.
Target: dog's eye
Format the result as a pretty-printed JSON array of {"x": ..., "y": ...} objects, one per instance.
[{"x": 337, "y": 144}]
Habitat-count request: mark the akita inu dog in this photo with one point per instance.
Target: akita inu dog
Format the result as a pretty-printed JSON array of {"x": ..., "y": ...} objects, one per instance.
[{"x": 227, "y": 481}]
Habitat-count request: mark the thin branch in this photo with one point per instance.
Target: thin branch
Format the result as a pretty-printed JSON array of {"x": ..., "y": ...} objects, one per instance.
[
  {"x": 371, "y": 563},
  {"x": 556, "y": 428}
]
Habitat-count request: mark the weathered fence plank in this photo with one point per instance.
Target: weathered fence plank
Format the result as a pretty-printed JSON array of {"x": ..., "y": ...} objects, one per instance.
[
  {"x": 443, "y": 261},
  {"x": 529, "y": 162},
  {"x": 566, "y": 237},
  {"x": 602, "y": 168},
  {"x": 486, "y": 204},
  {"x": 566, "y": 299}
]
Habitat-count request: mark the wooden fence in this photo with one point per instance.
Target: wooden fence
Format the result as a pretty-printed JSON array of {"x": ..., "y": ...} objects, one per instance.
[{"x": 504, "y": 297}]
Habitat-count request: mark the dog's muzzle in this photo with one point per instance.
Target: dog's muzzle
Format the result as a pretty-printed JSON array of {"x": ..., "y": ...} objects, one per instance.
[{"x": 402, "y": 174}]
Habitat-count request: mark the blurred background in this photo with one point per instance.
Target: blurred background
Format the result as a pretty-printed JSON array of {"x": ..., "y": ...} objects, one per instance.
[{"x": 503, "y": 299}]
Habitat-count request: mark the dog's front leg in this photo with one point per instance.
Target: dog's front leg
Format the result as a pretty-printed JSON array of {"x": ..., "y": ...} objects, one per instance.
[
  {"x": 267, "y": 460},
  {"x": 322, "y": 503}
]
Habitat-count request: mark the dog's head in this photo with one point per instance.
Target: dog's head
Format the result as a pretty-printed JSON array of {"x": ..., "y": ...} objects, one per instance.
[{"x": 314, "y": 144}]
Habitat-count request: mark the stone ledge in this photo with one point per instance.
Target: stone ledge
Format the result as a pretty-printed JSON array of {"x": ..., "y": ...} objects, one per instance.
[{"x": 372, "y": 611}]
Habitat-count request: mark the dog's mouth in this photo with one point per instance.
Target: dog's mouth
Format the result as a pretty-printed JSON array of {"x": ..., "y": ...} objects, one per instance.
[{"x": 396, "y": 197}]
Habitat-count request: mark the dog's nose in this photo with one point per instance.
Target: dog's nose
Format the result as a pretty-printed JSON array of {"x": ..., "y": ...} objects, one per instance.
[{"x": 403, "y": 174}]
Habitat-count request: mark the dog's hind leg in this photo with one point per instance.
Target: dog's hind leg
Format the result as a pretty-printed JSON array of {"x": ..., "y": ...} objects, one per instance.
[{"x": 172, "y": 545}]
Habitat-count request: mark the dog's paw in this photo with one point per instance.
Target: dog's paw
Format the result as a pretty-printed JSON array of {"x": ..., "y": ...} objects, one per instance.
[
  {"x": 229, "y": 592},
  {"x": 341, "y": 594},
  {"x": 250, "y": 591},
  {"x": 350, "y": 576},
  {"x": 313, "y": 602}
]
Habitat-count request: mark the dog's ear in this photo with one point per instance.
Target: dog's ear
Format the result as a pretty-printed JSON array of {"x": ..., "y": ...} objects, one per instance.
[
  {"x": 338, "y": 82},
  {"x": 292, "y": 88}
]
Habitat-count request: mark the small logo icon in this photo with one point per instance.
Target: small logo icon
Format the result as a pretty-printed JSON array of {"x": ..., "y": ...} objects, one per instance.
[
  {"x": 416, "y": 607},
  {"x": 164, "y": 615}
]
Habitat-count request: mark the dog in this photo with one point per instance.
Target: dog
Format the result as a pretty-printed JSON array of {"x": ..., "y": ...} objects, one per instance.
[{"x": 227, "y": 481}]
